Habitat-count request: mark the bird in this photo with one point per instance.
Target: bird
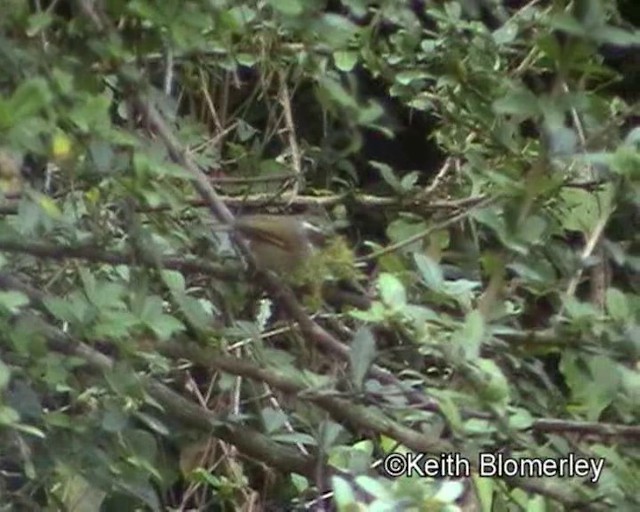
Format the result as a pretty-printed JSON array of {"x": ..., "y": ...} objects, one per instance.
[
  {"x": 304, "y": 254},
  {"x": 280, "y": 243}
]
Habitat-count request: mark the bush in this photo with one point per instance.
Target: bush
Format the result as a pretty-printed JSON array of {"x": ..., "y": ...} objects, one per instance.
[{"x": 480, "y": 160}]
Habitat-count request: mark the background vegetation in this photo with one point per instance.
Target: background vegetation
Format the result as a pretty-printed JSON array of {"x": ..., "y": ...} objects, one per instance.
[{"x": 481, "y": 158}]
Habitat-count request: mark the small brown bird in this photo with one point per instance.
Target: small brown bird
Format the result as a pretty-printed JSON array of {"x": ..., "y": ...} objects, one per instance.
[
  {"x": 297, "y": 249},
  {"x": 281, "y": 243}
]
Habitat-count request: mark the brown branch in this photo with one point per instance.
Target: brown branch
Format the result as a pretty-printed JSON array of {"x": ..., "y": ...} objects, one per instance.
[
  {"x": 359, "y": 416},
  {"x": 288, "y": 200},
  {"x": 342, "y": 410},
  {"x": 587, "y": 428},
  {"x": 97, "y": 254},
  {"x": 255, "y": 444},
  {"x": 252, "y": 443},
  {"x": 274, "y": 286},
  {"x": 296, "y": 157},
  {"x": 431, "y": 229},
  {"x": 590, "y": 246}
]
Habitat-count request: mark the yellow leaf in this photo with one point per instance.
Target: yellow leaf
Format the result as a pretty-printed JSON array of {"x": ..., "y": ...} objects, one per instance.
[
  {"x": 61, "y": 147},
  {"x": 49, "y": 206},
  {"x": 92, "y": 195}
]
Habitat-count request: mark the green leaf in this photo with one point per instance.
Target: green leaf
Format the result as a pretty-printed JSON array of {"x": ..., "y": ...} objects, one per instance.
[
  {"x": 618, "y": 305},
  {"x": 373, "y": 487},
  {"x": 153, "y": 423},
  {"x": 242, "y": 14},
  {"x": 392, "y": 291},
  {"x": 343, "y": 493},
  {"x": 195, "y": 312},
  {"x": 332, "y": 90},
  {"x": 421, "y": 103},
  {"x": 402, "y": 228},
  {"x": 535, "y": 271},
  {"x": 585, "y": 208},
  {"x": 430, "y": 271},
  {"x": 520, "y": 419},
  {"x": 505, "y": 34},
  {"x": 89, "y": 284},
  {"x": 174, "y": 281},
  {"x": 25, "y": 400},
  {"x": 29, "y": 98},
  {"x": 471, "y": 335},
  {"x": 300, "y": 483},
  {"x": 13, "y": 300},
  {"x": 142, "y": 490},
  {"x": 616, "y": 36},
  {"x": 336, "y": 30},
  {"x": 246, "y": 59},
  {"x": 567, "y": 23},
  {"x": 142, "y": 443},
  {"x": 561, "y": 141},
  {"x": 449, "y": 492},
  {"x": 294, "y": 438},
  {"x": 8, "y": 416},
  {"x": 80, "y": 495},
  {"x": 151, "y": 309},
  {"x": 533, "y": 229},
  {"x": 362, "y": 355},
  {"x": 590, "y": 13},
  {"x": 357, "y": 7},
  {"x": 408, "y": 181},
  {"x": 49, "y": 206},
  {"x": 633, "y": 138},
  {"x": 165, "y": 326},
  {"x": 406, "y": 77},
  {"x": 102, "y": 156},
  {"x": 387, "y": 174},
  {"x": 376, "y": 313},
  {"x": 345, "y": 60},
  {"x": 30, "y": 430},
  {"x": 594, "y": 382},
  {"x": 288, "y": 7},
  {"x": 519, "y": 101},
  {"x": 450, "y": 410},
  {"x": 65, "y": 310},
  {"x": 485, "y": 491},
  {"x": 626, "y": 162},
  {"x": 273, "y": 419},
  {"x": 5, "y": 375},
  {"x": 420, "y": 315},
  {"x": 329, "y": 434},
  {"x": 630, "y": 384},
  {"x": 493, "y": 386},
  {"x": 114, "y": 419},
  {"x": 39, "y": 22},
  {"x": 92, "y": 115}
]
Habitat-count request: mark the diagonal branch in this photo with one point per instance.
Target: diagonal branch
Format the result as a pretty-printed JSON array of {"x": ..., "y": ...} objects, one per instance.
[
  {"x": 249, "y": 441},
  {"x": 100, "y": 255},
  {"x": 279, "y": 291},
  {"x": 255, "y": 444}
]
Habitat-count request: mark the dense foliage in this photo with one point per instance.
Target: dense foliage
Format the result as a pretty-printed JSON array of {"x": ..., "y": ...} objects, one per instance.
[{"x": 482, "y": 161}]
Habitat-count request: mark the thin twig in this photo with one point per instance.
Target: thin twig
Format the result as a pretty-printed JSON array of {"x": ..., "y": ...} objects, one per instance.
[
  {"x": 285, "y": 101},
  {"x": 599, "y": 272},
  {"x": 100, "y": 255},
  {"x": 426, "y": 232},
  {"x": 589, "y": 247}
]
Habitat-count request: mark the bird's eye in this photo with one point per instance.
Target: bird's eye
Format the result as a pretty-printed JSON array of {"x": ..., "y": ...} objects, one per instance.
[
  {"x": 309, "y": 226},
  {"x": 316, "y": 235}
]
